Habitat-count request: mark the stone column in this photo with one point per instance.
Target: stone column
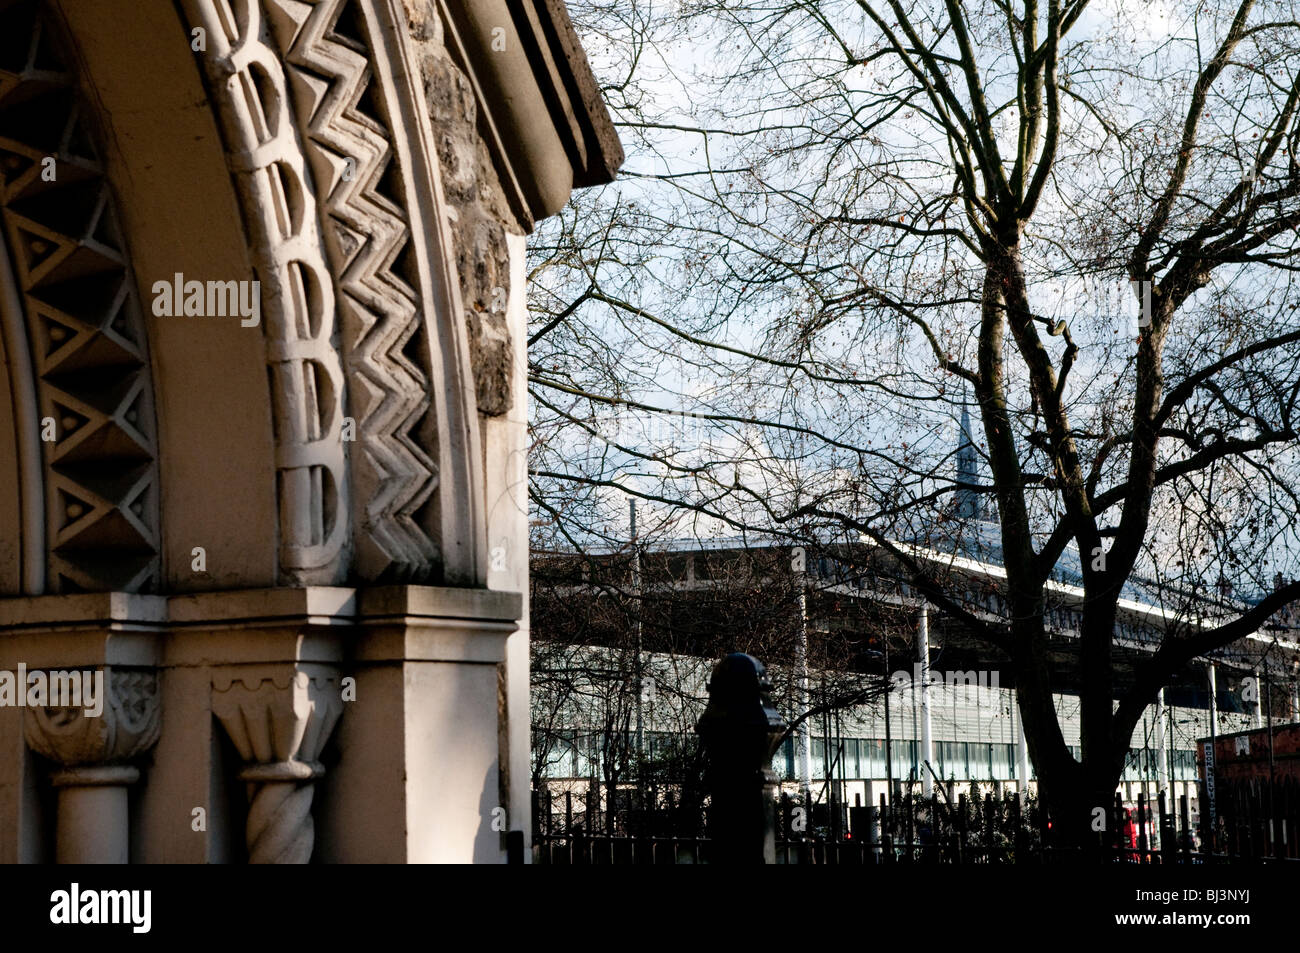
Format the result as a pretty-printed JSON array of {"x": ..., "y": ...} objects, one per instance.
[
  {"x": 424, "y": 741},
  {"x": 278, "y": 718},
  {"x": 93, "y": 751},
  {"x": 116, "y": 635}
]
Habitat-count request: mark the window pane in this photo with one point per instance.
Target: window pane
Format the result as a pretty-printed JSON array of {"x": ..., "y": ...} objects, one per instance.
[
  {"x": 818, "y": 758},
  {"x": 850, "y": 756},
  {"x": 954, "y": 760},
  {"x": 584, "y": 762},
  {"x": 783, "y": 760},
  {"x": 871, "y": 756},
  {"x": 1003, "y": 762},
  {"x": 1130, "y": 767},
  {"x": 904, "y": 753}
]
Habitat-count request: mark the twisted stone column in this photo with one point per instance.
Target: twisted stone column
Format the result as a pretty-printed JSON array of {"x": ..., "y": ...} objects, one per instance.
[
  {"x": 278, "y": 719},
  {"x": 93, "y": 820}
]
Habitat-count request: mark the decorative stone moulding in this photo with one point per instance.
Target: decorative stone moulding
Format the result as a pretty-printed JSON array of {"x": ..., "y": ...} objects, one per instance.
[
  {"x": 358, "y": 276},
  {"x": 278, "y": 718},
  {"x": 75, "y": 340},
  {"x": 300, "y": 322},
  {"x": 327, "y": 55}
]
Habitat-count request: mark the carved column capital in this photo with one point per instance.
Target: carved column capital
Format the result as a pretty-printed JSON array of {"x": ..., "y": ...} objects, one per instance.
[
  {"x": 92, "y": 748},
  {"x": 278, "y": 717},
  {"x": 92, "y": 743}
]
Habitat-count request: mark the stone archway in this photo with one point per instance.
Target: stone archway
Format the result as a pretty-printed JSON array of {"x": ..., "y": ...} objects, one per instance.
[{"x": 264, "y": 379}]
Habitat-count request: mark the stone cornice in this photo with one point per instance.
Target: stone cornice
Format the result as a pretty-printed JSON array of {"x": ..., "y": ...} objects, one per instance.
[
  {"x": 602, "y": 152},
  {"x": 119, "y": 609},
  {"x": 541, "y": 112},
  {"x": 124, "y": 612},
  {"x": 436, "y": 602}
]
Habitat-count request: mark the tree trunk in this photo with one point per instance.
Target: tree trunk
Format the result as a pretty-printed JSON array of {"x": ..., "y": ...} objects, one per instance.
[
  {"x": 1071, "y": 791},
  {"x": 1080, "y": 799}
]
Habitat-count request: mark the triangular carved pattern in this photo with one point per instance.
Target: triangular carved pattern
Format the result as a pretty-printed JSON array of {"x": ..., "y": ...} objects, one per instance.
[
  {"x": 324, "y": 46},
  {"x": 83, "y": 320}
]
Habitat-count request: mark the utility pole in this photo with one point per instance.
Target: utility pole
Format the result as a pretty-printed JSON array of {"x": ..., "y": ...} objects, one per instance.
[
  {"x": 1022, "y": 752},
  {"x": 636, "y": 628},
  {"x": 927, "y": 740},
  {"x": 803, "y": 749},
  {"x": 889, "y": 738},
  {"x": 1214, "y": 701},
  {"x": 1173, "y": 770},
  {"x": 1272, "y": 779},
  {"x": 1212, "y": 758},
  {"x": 1162, "y": 762}
]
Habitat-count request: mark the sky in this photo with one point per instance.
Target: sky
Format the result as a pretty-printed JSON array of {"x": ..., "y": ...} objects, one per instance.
[{"x": 675, "y": 75}]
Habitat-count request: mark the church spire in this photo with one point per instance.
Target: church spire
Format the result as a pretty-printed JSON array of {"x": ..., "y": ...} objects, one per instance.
[{"x": 968, "y": 500}]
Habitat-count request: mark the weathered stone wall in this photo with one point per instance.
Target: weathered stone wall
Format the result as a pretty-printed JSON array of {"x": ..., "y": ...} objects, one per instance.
[
  {"x": 488, "y": 247},
  {"x": 482, "y": 215}
]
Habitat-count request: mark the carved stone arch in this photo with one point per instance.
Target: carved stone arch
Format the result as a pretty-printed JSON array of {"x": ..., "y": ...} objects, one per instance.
[
  {"x": 324, "y": 92},
  {"x": 106, "y": 94},
  {"x": 247, "y": 87},
  {"x": 359, "y": 104},
  {"x": 298, "y": 152},
  {"x": 80, "y": 394}
]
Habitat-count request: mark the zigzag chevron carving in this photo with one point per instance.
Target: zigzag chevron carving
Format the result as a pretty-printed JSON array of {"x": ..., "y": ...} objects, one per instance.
[
  {"x": 87, "y": 339},
  {"x": 247, "y": 82},
  {"x": 326, "y": 51}
]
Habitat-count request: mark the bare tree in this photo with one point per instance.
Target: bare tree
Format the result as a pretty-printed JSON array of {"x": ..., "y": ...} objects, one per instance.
[{"x": 841, "y": 221}]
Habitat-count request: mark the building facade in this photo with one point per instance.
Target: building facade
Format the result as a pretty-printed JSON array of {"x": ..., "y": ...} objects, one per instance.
[{"x": 903, "y": 695}]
